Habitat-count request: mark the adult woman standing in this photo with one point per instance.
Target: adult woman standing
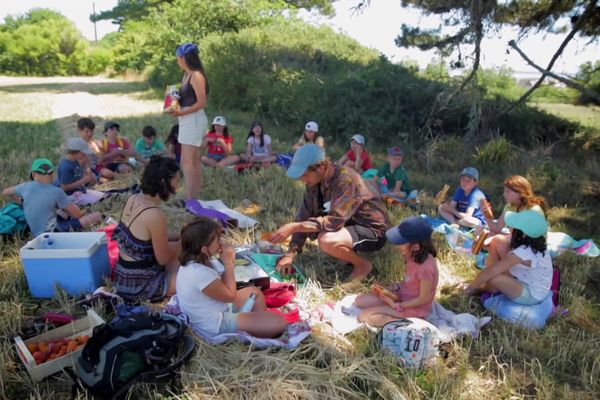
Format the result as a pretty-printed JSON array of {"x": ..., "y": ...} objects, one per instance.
[{"x": 192, "y": 119}]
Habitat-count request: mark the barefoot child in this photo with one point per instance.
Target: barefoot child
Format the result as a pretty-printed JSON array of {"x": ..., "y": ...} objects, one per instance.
[
  {"x": 415, "y": 295},
  {"x": 205, "y": 291},
  {"x": 258, "y": 147},
  {"x": 465, "y": 207}
]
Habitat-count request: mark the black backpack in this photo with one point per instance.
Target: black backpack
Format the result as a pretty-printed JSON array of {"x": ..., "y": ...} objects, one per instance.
[{"x": 142, "y": 347}]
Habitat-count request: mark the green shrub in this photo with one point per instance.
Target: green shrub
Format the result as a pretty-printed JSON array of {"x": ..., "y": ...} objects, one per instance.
[{"x": 496, "y": 151}]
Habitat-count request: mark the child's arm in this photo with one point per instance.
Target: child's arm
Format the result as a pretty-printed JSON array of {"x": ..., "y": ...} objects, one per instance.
[
  {"x": 224, "y": 289},
  {"x": 12, "y": 194},
  {"x": 423, "y": 298},
  {"x": 73, "y": 211},
  {"x": 397, "y": 191},
  {"x": 342, "y": 159},
  {"x": 249, "y": 153}
]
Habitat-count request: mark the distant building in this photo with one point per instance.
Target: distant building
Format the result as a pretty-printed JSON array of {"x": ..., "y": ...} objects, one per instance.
[{"x": 528, "y": 79}]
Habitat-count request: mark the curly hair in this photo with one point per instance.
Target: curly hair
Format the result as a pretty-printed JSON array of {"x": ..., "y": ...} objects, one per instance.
[
  {"x": 156, "y": 178},
  {"x": 195, "y": 235}
]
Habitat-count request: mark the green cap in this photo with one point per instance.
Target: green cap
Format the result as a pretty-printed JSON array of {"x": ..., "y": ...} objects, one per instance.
[
  {"x": 531, "y": 222},
  {"x": 42, "y": 166}
]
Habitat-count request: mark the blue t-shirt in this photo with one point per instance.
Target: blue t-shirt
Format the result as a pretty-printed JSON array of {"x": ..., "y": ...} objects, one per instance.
[
  {"x": 40, "y": 202},
  {"x": 473, "y": 200},
  {"x": 68, "y": 172}
]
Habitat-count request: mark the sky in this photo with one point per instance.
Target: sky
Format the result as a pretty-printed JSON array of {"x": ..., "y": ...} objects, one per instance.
[{"x": 376, "y": 27}]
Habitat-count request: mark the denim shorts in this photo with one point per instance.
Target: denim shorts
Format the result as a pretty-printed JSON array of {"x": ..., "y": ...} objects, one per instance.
[
  {"x": 216, "y": 157},
  {"x": 526, "y": 298},
  {"x": 229, "y": 324},
  {"x": 67, "y": 225}
]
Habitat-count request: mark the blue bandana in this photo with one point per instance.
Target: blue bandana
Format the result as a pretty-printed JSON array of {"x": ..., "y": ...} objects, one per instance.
[{"x": 185, "y": 48}]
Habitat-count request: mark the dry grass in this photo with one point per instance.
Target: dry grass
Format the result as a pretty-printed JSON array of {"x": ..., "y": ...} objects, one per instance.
[{"x": 506, "y": 362}]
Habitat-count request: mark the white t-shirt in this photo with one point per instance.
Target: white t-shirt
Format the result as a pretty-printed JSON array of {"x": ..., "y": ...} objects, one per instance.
[
  {"x": 539, "y": 275},
  {"x": 257, "y": 149},
  {"x": 205, "y": 313}
]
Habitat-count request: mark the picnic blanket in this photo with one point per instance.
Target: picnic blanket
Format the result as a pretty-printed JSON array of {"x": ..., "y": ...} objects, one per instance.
[
  {"x": 218, "y": 209},
  {"x": 451, "y": 325},
  {"x": 294, "y": 334},
  {"x": 460, "y": 239}
]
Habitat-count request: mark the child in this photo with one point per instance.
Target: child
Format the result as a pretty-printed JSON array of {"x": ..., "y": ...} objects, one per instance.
[
  {"x": 219, "y": 143},
  {"x": 465, "y": 207},
  {"x": 397, "y": 183},
  {"x": 519, "y": 196},
  {"x": 42, "y": 200},
  {"x": 173, "y": 145},
  {"x": 417, "y": 292},
  {"x": 74, "y": 171},
  {"x": 203, "y": 291},
  {"x": 525, "y": 274},
  {"x": 258, "y": 147},
  {"x": 148, "y": 145},
  {"x": 357, "y": 158},
  {"x": 116, "y": 150},
  {"x": 310, "y": 135},
  {"x": 85, "y": 128}
]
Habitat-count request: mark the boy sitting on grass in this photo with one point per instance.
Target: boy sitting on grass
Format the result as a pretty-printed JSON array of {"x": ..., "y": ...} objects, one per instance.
[
  {"x": 397, "y": 184},
  {"x": 465, "y": 207},
  {"x": 42, "y": 202},
  {"x": 148, "y": 145},
  {"x": 75, "y": 170}
]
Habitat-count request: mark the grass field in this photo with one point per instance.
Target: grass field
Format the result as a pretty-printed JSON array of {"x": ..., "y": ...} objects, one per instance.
[{"x": 561, "y": 361}]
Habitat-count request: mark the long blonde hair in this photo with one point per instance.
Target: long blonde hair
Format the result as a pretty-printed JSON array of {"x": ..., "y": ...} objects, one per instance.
[{"x": 522, "y": 186}]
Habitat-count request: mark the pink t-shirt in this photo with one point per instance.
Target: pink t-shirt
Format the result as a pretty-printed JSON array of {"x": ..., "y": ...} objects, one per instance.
[
  {"x": 411, "y": 286},
  {"x": 366, "y": 164}
]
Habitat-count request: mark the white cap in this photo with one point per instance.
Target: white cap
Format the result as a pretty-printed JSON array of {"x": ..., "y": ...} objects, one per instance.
[
  {"x": 220, "y": 120},
  {"x": 78, "y": 144},
  {"x": 360, "y": 139},
  {"x": 312, "y": 126}
]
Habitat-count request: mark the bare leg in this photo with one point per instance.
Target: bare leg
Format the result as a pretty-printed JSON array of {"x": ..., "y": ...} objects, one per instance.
[
  {"x": 90, "y": 219},
  {"x": 506, "y": 284},
  {"x": 380, "y": 315},
  {"x": 243, "y": 294},
  {"x": 497, "y": 249},
  {"x": 445, "y": 214},
  {"x": 368, "y": 300},
  {"x": 209, "y": 162},
  {"x": 339, "y": 245},
  {"x": 107, "y": 173},
  {"x": 229, "y": 160},
  {"x": 262, "y": 324},
  {"x": 190, "y": 163},
  {"x": 469, "y": 222}
]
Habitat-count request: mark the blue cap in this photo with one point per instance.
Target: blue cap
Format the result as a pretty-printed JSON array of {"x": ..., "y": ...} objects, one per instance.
[
  {"x": 185, "y": 48},
  {"x": 531, "y": 222},
  {"x": 411, "y": 230},
  {"x": 306, "y": 156},
  {"x": 470, "y": 171}
]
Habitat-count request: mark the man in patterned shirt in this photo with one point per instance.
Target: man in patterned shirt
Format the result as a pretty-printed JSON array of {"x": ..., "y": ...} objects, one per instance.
[{"x": 355, "y": 222}]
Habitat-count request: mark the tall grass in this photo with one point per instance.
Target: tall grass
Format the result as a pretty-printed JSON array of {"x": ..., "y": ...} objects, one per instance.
[{"x": 560, "y": 361}]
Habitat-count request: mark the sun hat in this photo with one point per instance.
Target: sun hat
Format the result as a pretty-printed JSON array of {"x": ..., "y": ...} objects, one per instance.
[
  {"x": 395, "y": 151},
  {"x": 311, "y": 126},
  {"x": 111, "y": 124},
  {"x": 185, "y": 48},
  {"x": 360, "y": 139},
  {"x": 220, "y": 120},
  {"x": 531, "y": 222},
  {"x": 471, "y": 172},
  {"x": 306, "y": 156},
  {"x": 411, "y": 230},
  {"x": 42, "y": 166},
  {"x": 78, "y": 144}
]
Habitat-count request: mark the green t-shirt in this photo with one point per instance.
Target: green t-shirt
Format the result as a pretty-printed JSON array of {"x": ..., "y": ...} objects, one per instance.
[
  {"x": 146, "y": 152},
  {"x": 399, "y": 174}
]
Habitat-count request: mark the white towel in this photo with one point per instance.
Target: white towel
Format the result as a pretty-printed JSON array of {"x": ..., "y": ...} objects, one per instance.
[{"x": 243, "y": 220}]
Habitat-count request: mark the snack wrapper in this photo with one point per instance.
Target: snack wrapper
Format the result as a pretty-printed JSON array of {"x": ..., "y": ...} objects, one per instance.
[{"x": 172, "y": 97}]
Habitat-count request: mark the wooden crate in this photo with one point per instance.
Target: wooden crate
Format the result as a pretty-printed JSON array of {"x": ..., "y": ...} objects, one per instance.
[{"x": 79, "y": 327}]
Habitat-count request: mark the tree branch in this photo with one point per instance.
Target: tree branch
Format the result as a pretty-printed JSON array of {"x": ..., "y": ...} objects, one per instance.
[{"x": 547, "y": 72}]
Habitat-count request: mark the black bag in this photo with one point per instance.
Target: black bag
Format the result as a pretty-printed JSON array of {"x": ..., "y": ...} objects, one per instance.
[{"x": 142, "y": 347}]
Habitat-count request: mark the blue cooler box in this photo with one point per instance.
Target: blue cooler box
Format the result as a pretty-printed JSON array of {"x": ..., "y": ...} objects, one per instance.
[{"x": 77, "y": 261}]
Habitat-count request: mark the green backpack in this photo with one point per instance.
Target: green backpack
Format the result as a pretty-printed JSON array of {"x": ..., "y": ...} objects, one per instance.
[{"x": 12, "y": 219}]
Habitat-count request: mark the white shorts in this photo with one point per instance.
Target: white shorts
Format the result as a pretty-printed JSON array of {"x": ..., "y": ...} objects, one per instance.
[{"x": 192, "y": 128}]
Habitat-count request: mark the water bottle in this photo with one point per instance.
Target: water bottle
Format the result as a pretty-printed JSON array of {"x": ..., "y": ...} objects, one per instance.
[
  {"x": 47, "y": 242},
  {"x": 247, "y": 307}
]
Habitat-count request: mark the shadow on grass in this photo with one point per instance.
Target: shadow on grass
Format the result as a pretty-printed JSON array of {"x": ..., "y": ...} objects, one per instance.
[{"x": 70, "y": 87}]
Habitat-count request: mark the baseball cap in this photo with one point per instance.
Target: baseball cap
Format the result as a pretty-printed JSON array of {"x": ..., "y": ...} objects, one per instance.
[
  {"x": 78, "y": 144},
  {"x": 254, "y": 124},
  {"x": 360, "y": 139},
  {"x": 111, "y": 124},
  {"x": 312, "y": 126},
  {"x": 395, "y": 151},
  {"x": 411, "y": 230},
  {"x": 531, "y": 222},
  {"x": 220, "y": 120},
  {"x": 306, "y": 156},
  {"x": 185, "y": 48},
  {"x": 42, "y": 166},
  {"x": 470, "y": 171}
]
